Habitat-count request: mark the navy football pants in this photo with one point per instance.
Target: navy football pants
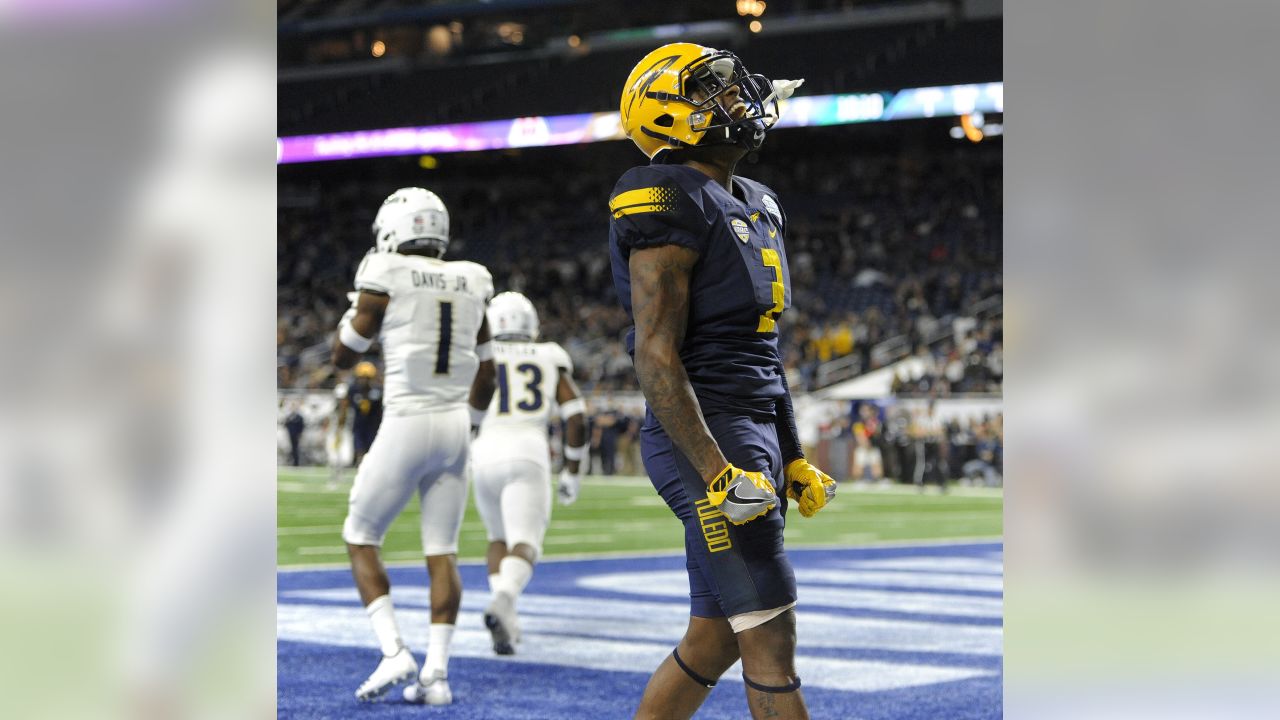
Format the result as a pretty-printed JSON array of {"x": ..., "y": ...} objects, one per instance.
[{"x": 733, "y": 569}]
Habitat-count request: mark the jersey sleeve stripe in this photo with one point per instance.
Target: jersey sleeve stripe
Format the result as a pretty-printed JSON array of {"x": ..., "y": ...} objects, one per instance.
[
  {"x": 642, "y": 196},
  {"x": 634, "y": 209},
  {"x": 664, "y": 196}
]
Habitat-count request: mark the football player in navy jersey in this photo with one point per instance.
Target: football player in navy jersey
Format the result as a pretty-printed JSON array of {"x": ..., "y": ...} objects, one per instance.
[{"x": 699, "y": 263}]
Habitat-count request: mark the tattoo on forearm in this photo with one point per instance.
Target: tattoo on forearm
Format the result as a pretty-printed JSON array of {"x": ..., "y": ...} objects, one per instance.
[{"x": 660, "y": 304}]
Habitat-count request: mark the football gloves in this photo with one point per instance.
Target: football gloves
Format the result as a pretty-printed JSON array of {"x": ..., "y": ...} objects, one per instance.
[
  {"x": 809, "y": 486},
  {"x": 567, "y": 489},
  {"x": 741, "y": 495}
]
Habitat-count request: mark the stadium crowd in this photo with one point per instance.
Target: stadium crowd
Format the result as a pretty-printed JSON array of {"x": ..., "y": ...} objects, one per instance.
[
  {"x": 870, "y": 443},
  {"x": 889, "y": 246}
]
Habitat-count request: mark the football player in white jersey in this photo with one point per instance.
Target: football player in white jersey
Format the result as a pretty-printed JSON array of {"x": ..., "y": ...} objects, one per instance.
[
  {"x": 429, "y": 317},
  {"x": 512, "y": 459}
]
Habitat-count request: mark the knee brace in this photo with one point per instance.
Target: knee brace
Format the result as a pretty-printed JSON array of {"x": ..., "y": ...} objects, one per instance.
[
  {"x": 689, "y": 671},
  {"x": 790, "y": 687}
]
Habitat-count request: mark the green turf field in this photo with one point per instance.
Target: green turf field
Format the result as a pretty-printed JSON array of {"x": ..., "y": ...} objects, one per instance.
[{"x": 625, "y": 515}]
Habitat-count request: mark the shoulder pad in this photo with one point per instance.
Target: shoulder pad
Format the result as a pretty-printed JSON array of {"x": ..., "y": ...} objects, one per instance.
[
  {"x": 560, "y": 357},
  {"x": 374, "y": 272},
  {"x": 766, "y": 197},
  {"x": 645, "y": 189},
  {"x": 479, "y": 273},
  {"x": 470, "y": 266},
  {"x": 650, "y": 207}
]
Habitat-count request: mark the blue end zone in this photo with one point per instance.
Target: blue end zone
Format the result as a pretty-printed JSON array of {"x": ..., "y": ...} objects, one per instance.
[{"x": 884, "y": 632}]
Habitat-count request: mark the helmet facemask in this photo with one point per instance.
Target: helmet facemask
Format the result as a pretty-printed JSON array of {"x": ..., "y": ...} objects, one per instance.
[
  {"x": 674, "y": 101},
  {"x": 709, "y": 79}
]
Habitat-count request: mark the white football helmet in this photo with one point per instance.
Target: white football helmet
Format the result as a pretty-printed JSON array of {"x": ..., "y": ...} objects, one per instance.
[
  {"x": 511, "y": 316},
  {"x": 413, "y": 217}
]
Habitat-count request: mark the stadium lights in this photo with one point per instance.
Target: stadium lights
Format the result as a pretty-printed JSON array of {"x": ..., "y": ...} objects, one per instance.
[
  {"x": 553, "y": 130},
  {"x": 379, "y": 48},
  {"x": 754, "y": 8},
  {"x": 975, "y": 128},
  {"x": 755, "y": 26}
]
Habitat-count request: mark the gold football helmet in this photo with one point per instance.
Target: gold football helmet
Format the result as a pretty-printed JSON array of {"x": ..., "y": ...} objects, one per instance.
[
  {"x": 671, "y": 101},
  {"x": 366, "y": 369}
]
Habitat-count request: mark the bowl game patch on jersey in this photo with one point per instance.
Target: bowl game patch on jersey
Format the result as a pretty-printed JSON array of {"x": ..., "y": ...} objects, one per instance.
[
  {"x": 771, "y": 206},
  {"x": 740, "y": 229}
]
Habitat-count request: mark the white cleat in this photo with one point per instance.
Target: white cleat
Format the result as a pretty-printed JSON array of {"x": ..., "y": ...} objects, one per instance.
[
  {"x": 392, "y": 671},
  {"x": 500, "y": 618},
  {"x": 429, "y": 691}
]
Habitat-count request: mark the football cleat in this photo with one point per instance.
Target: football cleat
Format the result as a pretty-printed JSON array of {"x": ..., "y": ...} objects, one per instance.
[
  {"x": 429, "y": 691},
  {"x": 741, "y": 495},
  {"x": 500, "y": 618},
  {"x": 392, "y": 671}
]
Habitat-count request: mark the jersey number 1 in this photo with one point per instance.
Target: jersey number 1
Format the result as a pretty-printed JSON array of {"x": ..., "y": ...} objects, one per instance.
[{"x": 446, "y": 338}]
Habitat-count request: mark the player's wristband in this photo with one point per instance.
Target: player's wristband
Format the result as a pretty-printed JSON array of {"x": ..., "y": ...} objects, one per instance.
[
  {"x": 576, "y": 406},
  {"x": 352, "y": 339},
  {"x": 484, "y": 351},
  {"x": 477, "y": 416},
  {"x": 575, "y": 453}
]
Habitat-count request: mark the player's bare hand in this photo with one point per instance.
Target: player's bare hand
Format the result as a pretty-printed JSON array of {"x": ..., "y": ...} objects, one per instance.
[
  {"x": 809, "y": 486},
  {"x": 742, "y": 495}
]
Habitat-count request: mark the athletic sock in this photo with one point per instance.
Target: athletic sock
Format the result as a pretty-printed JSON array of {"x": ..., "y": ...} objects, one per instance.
[
  {"x": 438, "y": 651},
  {"x": 494, "y": 582},
  {"x": 514, "y": 573},
  {"x": 383, "y": 617}
]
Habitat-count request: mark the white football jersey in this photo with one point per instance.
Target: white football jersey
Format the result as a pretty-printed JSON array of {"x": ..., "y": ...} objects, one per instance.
[
  {"x": 522, "y": 406},
  {"x": 428, "y": 333}
]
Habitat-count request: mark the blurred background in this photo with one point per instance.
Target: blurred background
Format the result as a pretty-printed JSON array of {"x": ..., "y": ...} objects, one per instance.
[
  {"x": 140, "y": 436},
  {"x": 889, "y": 164},
  {"x": 895, "y": 194}
]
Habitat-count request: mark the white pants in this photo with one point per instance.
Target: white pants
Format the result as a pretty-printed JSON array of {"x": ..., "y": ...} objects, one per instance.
[
  {"x": 426, "y": 452},
  {"x": 514, "y": 500}
]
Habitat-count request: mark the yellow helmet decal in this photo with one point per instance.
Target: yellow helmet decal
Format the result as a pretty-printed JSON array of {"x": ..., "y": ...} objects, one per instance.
[{"x": 653, "y": 110}]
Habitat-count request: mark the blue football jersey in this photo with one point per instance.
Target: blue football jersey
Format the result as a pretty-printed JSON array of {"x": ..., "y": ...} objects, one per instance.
[{"x": 739, "y": 286}]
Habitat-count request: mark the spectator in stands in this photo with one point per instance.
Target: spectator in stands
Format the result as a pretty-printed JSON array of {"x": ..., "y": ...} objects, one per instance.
[
  {"x": 995, "y": 362},
  {"x": 984, "y": 467},
  {"x": 889, "y": 248}
]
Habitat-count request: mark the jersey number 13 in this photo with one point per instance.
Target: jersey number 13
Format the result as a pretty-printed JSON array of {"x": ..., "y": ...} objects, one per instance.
[{"x": 532, "y": 401}]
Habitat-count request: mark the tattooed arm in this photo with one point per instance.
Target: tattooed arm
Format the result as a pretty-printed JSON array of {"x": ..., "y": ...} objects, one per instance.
[{"x": 660, "y": 303}]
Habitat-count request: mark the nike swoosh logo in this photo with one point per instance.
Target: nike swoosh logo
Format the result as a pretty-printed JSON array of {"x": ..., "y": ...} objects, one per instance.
[
  {"x": 735, "y": 497},
  {"x": 772, "y": 233}
]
